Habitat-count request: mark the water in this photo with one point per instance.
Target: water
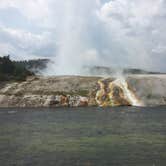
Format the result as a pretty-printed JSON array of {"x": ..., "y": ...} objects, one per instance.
[
  {"x": 83, "y": 136},
  {"x": 116, "y": 93},
  {"x": 127, "y": 92}
]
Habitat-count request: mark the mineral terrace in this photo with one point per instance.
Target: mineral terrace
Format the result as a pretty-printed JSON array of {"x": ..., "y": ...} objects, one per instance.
[{"x": 75, "y": 91}]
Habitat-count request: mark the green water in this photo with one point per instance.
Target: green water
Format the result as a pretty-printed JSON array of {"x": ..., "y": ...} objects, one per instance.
[{"x": 122, "y": 136}]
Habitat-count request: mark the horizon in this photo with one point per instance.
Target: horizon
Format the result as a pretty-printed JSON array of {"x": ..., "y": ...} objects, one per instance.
[
  {"x": 111, "y": 33},
  {"x": 117, "y": 70}
]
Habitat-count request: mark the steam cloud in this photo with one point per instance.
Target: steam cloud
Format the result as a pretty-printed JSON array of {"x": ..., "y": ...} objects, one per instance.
[
  {"x": 74, "y": 40},
  {"x": 79, "y": 33},
  {"x": 117, "y": 34}
]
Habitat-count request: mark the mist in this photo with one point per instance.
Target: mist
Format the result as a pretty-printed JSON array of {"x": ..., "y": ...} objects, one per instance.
[
  {"x": 76, "y": 34},
  {"x": 75, "y": 47},
  {"x": 92, "y": 34}
]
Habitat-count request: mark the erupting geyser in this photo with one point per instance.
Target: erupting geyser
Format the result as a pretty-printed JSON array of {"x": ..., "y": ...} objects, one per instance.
[{"x": 115, "y": 93}]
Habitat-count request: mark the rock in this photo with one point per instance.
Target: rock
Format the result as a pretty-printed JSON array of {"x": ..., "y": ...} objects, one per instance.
[
  {"x": 67, "y": 91},
  {"x": 83, "y": 102}
]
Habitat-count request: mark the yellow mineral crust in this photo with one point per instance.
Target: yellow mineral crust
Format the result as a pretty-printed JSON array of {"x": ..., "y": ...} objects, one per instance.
[{"x": 115, "y": 93}]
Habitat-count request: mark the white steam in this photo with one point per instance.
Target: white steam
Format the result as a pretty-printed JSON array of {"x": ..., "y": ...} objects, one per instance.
[
  {"x": 117, "y": 33},
  {"x": 73, "y": 47}
]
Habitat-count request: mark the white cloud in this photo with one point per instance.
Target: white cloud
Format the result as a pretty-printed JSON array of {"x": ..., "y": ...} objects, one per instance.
[
  {"x": 123, "y": 33},
  {"x": 32, "y": 9},
  {"x": 159, "y": 49},
  {"x": 8, "y": 49},
  {"x": 17, "y": 41},
  {"x": 136, "y": 27},
  {"x": 25, "y": 39},
  {"x": 132, "y": 13}
]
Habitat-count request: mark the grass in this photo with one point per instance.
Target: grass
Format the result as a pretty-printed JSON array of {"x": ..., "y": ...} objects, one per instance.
[{"x": 95, "y": 136}]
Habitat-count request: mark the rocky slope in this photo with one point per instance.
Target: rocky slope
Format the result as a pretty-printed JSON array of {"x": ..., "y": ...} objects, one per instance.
[{"x": 137, "y": 90}]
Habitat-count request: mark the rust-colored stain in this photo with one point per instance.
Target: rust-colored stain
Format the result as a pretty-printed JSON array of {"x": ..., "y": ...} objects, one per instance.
[{"x": 115, "y": 93}]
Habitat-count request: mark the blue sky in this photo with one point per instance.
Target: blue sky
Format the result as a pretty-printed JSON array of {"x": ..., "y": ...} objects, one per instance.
[{"x": 86, "y": 32}]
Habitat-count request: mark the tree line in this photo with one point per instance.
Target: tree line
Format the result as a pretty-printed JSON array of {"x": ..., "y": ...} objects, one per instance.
[{"x": 11, "y": 70}]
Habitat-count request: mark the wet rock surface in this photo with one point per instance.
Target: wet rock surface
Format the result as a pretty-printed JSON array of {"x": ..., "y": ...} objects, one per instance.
[{"x": 77, "y": 91}]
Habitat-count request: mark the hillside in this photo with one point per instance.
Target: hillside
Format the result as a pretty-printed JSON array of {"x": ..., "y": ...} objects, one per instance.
[
  {"x": 10, "y": 70},
  {"x": 34, "y": 65},
  {"x": 37, "y": 66}
]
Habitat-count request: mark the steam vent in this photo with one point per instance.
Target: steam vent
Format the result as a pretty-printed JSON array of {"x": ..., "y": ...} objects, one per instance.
[{"x": 79, "y": 91}]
